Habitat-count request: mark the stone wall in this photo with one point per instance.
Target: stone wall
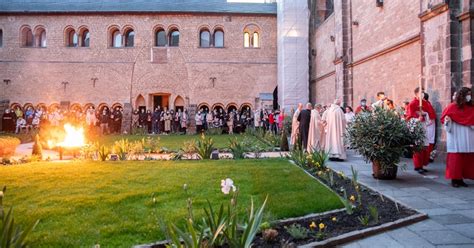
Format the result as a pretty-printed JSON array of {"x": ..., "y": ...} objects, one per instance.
[{"x": 232, "y": 75}]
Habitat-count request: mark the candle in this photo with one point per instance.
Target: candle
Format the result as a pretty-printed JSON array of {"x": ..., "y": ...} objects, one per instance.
[{"x": 420, "y": 94}]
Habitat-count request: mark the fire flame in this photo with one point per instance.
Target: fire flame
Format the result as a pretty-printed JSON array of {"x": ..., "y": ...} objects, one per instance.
[{"x": 74, "y": 137}]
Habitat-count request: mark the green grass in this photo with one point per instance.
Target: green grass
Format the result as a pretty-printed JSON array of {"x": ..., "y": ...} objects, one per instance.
[
  {"x": 82, "y": 203},
  {"x": 175, "y": 142}
]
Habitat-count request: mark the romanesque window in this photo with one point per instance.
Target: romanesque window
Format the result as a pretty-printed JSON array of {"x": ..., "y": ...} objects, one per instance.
[
  {"x": 205, "y": 38},
  {"x": 174, "y": 38},
  {"x": 246, "y": 39},
  {"x": 252, "y": 36},
  {"x": 129, "y": 38},
  {"x": 219, "y": 38},
  {"x": 40, "y": 36},
  {"x": 116, "y": 39},
  {"x": 160, "y": 38},
  {"x": 26, "y": 37},
  {"x": 72, "y": 40},
  {"x": 85, "y": 38},
  {"x": 255, "y": 40},
  {"x": 1, "y": 37}
]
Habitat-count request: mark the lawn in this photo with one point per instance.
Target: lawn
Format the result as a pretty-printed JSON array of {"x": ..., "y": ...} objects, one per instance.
[
  {"x": 80, "y": 203},
  {"x": 175, "y": 142}
]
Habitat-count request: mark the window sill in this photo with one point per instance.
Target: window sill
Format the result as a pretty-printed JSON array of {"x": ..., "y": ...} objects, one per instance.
[
  {"x": 252, "y": 47},
  {"x": 211, "y": 47}
]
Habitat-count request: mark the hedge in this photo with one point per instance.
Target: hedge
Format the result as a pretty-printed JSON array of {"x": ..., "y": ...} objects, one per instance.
[{"x": 8, "y": 146}]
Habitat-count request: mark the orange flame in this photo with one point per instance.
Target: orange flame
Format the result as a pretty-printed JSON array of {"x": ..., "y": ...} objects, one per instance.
[{"x": 74, "y": 137}]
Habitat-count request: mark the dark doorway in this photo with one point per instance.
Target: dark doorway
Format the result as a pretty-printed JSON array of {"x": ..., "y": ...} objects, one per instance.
[
  {"x": 179, "y": 107},
  {"x": 140, "y": 108},
  {"x": 157, "y": 100},
  {"x": 275, "y": 99}
]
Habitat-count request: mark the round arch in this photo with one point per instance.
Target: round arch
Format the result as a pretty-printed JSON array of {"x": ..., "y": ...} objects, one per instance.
[
  {"x": 244, "y": 106},
  {"x": 53, "y": 107},
  {"x": 76, "y": 107},
  {"x": 103, "y": 106},
  {"x": 16, "y": 105},
  {"x": 203, "y": 106},
  {"x": 89, "y": 105},
  {"x": 231, "y": 106},
  {"x": 179, "y": 102},
  {"x": 27, "y": 105},
  {"x": 218, "y": 106},
  {"x": 115, "y": 105},
  {"x": 41, "y": 106}
]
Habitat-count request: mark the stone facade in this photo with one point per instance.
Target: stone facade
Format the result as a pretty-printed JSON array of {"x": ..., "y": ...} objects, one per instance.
[
  {"x": 361, "y": 49},
  {"x": 100, "y": 75}
]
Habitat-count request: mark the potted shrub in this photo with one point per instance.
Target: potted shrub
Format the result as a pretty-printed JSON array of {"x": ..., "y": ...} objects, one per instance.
[{"x": 382, "y": 137}]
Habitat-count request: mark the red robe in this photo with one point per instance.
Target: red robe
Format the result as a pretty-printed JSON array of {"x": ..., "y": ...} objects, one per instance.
[
  {"x": 421, "y": 158},
  {"x": 459, "y": 165}
]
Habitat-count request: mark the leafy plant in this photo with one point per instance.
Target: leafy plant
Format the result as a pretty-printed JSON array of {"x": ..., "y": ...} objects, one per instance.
[
  {"x": 11, "y": 234},
  {"x": 382, "y": 136},
  {"x": 122, "y": 148},
  {"x": 189, "y": 148},
  {"x": 297, "y": 232},
  {"x": 347, "y": 203},
  {"x": 318, "y": 159},
  {"x": 237, "y": 148},
  {"x": 104, "y": 153},
  {"x": 374, "y": 213},
  {"x": 90, "y": 151},
  {"x": 257, "y": 150},
  {"x": 364, "y": 219},
  {"x": 214, "y": 131},
  {"x": 152, "y": 144},
  {"x": 284, "y": 146},
  {"x": 204, "y": 147},
  {"x": 298, "y": 156},
  {"x": 272, "y": 139},
  {"x": 137, "y": 149}
]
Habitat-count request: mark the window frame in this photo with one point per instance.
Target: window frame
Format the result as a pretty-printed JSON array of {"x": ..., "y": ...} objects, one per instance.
[{"x": 170, "y": 38}]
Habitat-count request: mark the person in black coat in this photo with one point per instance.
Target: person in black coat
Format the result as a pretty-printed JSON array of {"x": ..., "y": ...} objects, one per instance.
[{"x": 304, "y": 118}]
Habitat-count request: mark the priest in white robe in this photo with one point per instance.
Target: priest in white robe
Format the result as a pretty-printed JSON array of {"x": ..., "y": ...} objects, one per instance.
[
  {"x": 315, "y": 130},
  {"x": 295, "y": 125},
  {"x": 335, "y": 123}
]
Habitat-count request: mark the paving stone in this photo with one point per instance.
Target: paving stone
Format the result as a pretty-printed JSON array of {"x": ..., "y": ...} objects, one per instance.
[
  {"x": 465, "y": 206},
  {"x": 417, "y": 202},
  {"x": 409, "y": 239},
  {"x": 468, "y": 213},
  {"x": 427, "y": 225},
  {"x": 456, "y": 246},
  {"x": 445, "y": 237},
  {"x": 465, "y": 229},
  {"x": 378, "y": 241},
  {"x": 436, "y": 211},
  {"x": 452, "y": 219}
]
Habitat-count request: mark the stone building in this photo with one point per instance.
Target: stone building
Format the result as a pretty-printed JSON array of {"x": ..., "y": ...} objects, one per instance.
[
  {"x": 141, "y": 54},
  {"x": 358, "y": 48}
]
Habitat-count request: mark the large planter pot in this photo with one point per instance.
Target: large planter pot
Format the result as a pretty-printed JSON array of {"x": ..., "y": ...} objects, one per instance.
[{"x": 388, "y": 173}]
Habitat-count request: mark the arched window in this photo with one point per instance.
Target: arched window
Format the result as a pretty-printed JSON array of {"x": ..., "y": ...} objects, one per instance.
[
  {"x": 116, "y": 39},
  {"x": 85, "y": 38},
  {"x": 219, "y": 38},
  {"x": 255, "y": 40},
  {"x": 72, "y": 40},
  {"x": 26, "y": 37},
  {"x": 205, "y": 38},
  {"x": 160, "y": 38},
  {"x": 40, "y": 37},
  {"x": 129, "y": 38},
  {"x": 1, "y": 37},
  {"x": 174, "y": 38},
  {"x": 246, "y": 39}
]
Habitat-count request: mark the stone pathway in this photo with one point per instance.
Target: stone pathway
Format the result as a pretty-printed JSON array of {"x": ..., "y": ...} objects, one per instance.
[{"x": 451, "y": 210}]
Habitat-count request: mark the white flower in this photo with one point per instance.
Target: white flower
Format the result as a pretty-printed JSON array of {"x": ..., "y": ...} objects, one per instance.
[
  {"x": 1, "y": 194},
  {"x": 227, "y": 185},
  {"x": 185, "y": 186}
]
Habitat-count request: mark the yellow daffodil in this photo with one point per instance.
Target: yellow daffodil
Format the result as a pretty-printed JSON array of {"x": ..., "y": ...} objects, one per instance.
[
  {"x": 312, "y": 225},
  {"x": 334, "y": 219},
  {"x": 320, "y": 173},
  {"x": 352, "y": 198},
  {"x": 321, "y": 226}
]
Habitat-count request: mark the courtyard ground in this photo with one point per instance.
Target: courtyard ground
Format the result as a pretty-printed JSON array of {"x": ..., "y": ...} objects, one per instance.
[
  {"x": 450, "y": 210},
  {"x": 110, "y": 203}
]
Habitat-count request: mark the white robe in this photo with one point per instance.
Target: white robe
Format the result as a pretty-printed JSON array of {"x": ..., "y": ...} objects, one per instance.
[
  {"x": 295, "y": 127},
  {"x": 459, "y": 138},
  {"x": 314, "y": 136},
  {"x": 431, "y": 131},
  {"x": 336, "y": 126}
]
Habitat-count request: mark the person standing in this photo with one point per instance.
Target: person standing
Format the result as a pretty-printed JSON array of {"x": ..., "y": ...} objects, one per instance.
[
  {"x": 184, "y": 121},
  {"x": 198, "y": 118},
  {"x": 349, "y": 115},
  {"x": 380, "y": 103},
  {"x": 271, "y": 121},
  {"x": 155, "y": 118},
  {"x": 314, "y": 135},
  {"x": 458, "y": 120},
  {"x": 118, "y": 120},
  {"x": 431, "y": 126},
  {"x": 295, "y": 125},
  {"x": 281, "y": 121},
  {"x": 142, "y": 118},
  {"x": 304, "y": 119},
  {"x": 167, "y": 118},
  {"x": 362, "y": 108},
  {"x": 421, "y": 158},
  {"x": 335, "y": 122},
  {"x": 230, "y": 122},
  {"x": 104, "y": 122}
]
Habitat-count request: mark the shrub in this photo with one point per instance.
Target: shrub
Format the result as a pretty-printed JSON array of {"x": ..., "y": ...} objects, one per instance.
[
  {"x": 90, "y": 151},
  {"x": 298, "y": 156},
  {"x": 37, "y": 148},
  {"x": 122, "y": 148},
  {"x": 104, "y": 153},
  {"x": 237, "y": 148},
  {"x": 318, "y": 159},
  {"x": 272, "y": 139},
  {"x": 188, "y": 149},
  {"x": 137, "y": 149},
  {"x": 383, "y": 136},
  {"x": 297, "y": 232},
  {"x": 8, "y": 146},
  {"x": 11, "y": 234},
  {"x": 152, "y": 144},
  {"x": 204, "y": 147}
]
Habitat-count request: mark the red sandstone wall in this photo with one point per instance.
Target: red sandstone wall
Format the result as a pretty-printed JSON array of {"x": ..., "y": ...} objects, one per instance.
[{"x": 36, "y": 73}]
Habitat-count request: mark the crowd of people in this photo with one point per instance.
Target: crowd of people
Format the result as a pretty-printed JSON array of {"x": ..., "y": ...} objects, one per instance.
[
  {"x": 15, "y": 120},
  {"x": 323, "y": 127}
]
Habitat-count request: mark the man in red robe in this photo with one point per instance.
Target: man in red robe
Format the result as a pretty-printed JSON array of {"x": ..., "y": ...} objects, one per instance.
[
  {"x": 421, "y": 158},
  {"x": 458, "y": 120}
]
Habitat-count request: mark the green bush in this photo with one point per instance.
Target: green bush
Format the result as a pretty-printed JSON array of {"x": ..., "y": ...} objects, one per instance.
[
  {"x": 37, "y": 148},
  {"x": 237, "y": 148},
  {"x": 122, "y": 148},
  {"x": 298, "y": 156},
  {"x": 8, "y": 146},
  {"x": 12, "y": 234},
  {"x": 204, "y": 147},
  {"x": 318, "y": 159},
  {"x": 383, "y": 136},
  {"x": 104, "y": 153}
]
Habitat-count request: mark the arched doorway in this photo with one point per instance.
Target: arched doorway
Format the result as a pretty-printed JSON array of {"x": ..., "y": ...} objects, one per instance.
[
  {"x": 140, "y": 103},
  {"x": 204, "y": 107},
  {"x": 179, "y": 103},
  {"x": 218, "y": 107},
  {"x": 245, "y": 108},
  {"x": 231, "y": 107},
  {"x": 102, "y": 107}
]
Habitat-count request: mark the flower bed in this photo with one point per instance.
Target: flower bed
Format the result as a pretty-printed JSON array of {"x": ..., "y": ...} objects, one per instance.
[{"x": 8, "y": 146}]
